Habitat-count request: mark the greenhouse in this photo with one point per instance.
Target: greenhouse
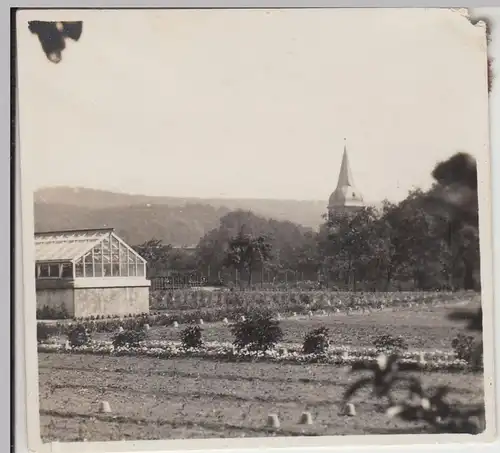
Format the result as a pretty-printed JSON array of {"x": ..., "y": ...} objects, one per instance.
[{"x": 89, "y": 273}]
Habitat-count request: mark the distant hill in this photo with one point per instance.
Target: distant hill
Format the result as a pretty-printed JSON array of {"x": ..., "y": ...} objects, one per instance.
[{"x": 137, "y": 218}]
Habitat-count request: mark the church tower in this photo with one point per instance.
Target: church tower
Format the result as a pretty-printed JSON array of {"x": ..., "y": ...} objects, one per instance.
[{"x": 345, "y": 198}]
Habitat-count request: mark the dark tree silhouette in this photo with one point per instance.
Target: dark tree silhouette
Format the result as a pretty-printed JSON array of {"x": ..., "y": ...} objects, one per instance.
[{"x": 52, "y": 36}]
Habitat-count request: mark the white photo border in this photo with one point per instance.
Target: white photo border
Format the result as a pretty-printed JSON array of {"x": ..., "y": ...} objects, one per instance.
[{"x": 26, "y": 285}]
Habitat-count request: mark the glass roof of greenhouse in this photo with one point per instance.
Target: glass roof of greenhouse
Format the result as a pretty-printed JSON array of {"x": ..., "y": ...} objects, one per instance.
[{"x": 67, "y": 245}]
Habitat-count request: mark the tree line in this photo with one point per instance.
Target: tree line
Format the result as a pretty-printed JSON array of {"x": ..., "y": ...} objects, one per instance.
[{"x": 428, "y": 241}]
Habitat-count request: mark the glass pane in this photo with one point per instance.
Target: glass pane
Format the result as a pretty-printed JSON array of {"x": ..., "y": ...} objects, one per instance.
[
  {"x": 89, "y": 271},
  {"x": 79, "y": 269},
  {"x": 98, "y": 270},
  {"x": 131, "y": 270},
  {"x": 131, "y": 257},
  {"x": 115, "y": 270},
  {"x": 123, "y": 254},
  {"x": 105, "y": 248},
  {"x": 54, "y": 270},
  {"x": 67, "y": 270},
  {"x": 107, "y": 270},
  {"x": 44, "y": 270},
  {"x": 124, "y": 269},
  {"x": 140, "y": 270},
  {"x": 97, "y": 256},
  {"x": 115, "y": 251}
]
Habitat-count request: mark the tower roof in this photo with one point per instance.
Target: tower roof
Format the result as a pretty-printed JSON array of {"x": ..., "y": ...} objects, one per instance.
[{"x": 346, "y": 194}]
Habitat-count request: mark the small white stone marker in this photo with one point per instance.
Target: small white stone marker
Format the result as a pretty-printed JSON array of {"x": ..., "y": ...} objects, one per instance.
[
  {"x": 147, "y": 327},
  {"x": 421, "y": 358},
  {"x": 306, "y": 418},
  {"x": 242, "y": 318},
  {"x": 273, "y": 421},
  {"x": 349, "y": 410},
  {"x": 104, "y": 407},
  {"x": 278, "y": 316},
  {"x": 175, "y": 324},
  {"x": 225, "y": 321},
  {"x": 310, "y": 313},
  {"x": 67, "y": 345},
  {"x": 200, "y": 322},
  {"x": 120, "y": 329},
  {"x": 337, "y": 310},
  {"x": 294, "y": 314},
  {"x": 345, "y": 355}
]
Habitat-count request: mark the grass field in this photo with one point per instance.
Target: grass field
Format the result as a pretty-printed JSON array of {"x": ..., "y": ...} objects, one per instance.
[
  {"x": 153, "y": 398},
  {"x": 423, "y": 328}
]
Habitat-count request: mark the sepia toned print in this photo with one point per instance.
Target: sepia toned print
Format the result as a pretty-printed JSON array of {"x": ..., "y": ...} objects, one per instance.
[{"x": 242, "y": 234}]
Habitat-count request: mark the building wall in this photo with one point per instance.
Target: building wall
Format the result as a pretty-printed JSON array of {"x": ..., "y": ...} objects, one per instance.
[
  {"x": 111, "y": 301},
  {"x": 56, "y": 298}
]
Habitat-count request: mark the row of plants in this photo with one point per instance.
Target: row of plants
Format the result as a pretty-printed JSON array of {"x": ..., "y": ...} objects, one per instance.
[
  {"x": 208, "y": 315},
  {"x": 214, "y": 308},
  {"x": 296, "y": 300},
  {"x": 231, "y": 353},
  {"x": 257, "y": 335}
]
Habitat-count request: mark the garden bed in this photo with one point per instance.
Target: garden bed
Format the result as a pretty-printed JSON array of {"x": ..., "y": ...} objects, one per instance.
[{"x": 342, "y": 356}]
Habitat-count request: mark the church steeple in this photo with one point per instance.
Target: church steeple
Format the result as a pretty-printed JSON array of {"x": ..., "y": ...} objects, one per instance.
[
  {"x": 345, "y": 198},
  {"x": 345, "y": 175}
]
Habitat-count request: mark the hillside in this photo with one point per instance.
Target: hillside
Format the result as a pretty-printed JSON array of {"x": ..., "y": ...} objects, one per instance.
[{"x": 137, "y": 218}]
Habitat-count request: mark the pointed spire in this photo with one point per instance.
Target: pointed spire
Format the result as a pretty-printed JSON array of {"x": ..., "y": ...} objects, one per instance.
[
  {"x": 345, "y": 196},
  {"x": 345, "y": 175}
]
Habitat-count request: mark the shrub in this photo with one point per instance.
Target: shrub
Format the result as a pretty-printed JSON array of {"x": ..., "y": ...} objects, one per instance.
[
  {"x": 257, "y": 332},
  {"x": 43, "y": 332},
  {"x": 52, "y": 313},
  {"x": 79, "y": 336},
  {"x": 316, "y": 341},
  {"x": 191, "y": 337},
  {"x": 466, "y": 348},
  {"x": 129, "y": 338},
  {"x": 390, "y": 343}
]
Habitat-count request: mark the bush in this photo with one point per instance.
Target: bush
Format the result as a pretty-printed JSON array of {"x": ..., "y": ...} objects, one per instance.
[
  {"x": 79, "y": 336},
  {"x": 52, "y": 313},
  {"x": 43, "y": 332},
  {"x": 316, "y": 341},
  {"x": 466, "y": 348},
  {"x": 129, "y": 338},
  {"x": 258, "y": 332},
  {"x": 390, "y": 343},
  {"x": 191, "y": 337}
]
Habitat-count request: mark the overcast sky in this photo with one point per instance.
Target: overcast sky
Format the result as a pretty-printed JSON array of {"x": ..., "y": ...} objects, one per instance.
[{"x": 252, "y": 103}]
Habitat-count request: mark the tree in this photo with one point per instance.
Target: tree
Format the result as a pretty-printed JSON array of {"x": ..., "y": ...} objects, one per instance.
[
  {"x": 427, "y": 405},
  {"x": 157, "y": 256},
  {"x": 246, "y": 252},
  {"x": 286, "y": 239},
  {"x": 454, "y": 199},
  {"x": 353, "y": 248}
]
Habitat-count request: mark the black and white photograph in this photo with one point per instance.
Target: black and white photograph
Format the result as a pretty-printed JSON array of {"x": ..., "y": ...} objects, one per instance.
[{"x": 256, "y": 223}]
